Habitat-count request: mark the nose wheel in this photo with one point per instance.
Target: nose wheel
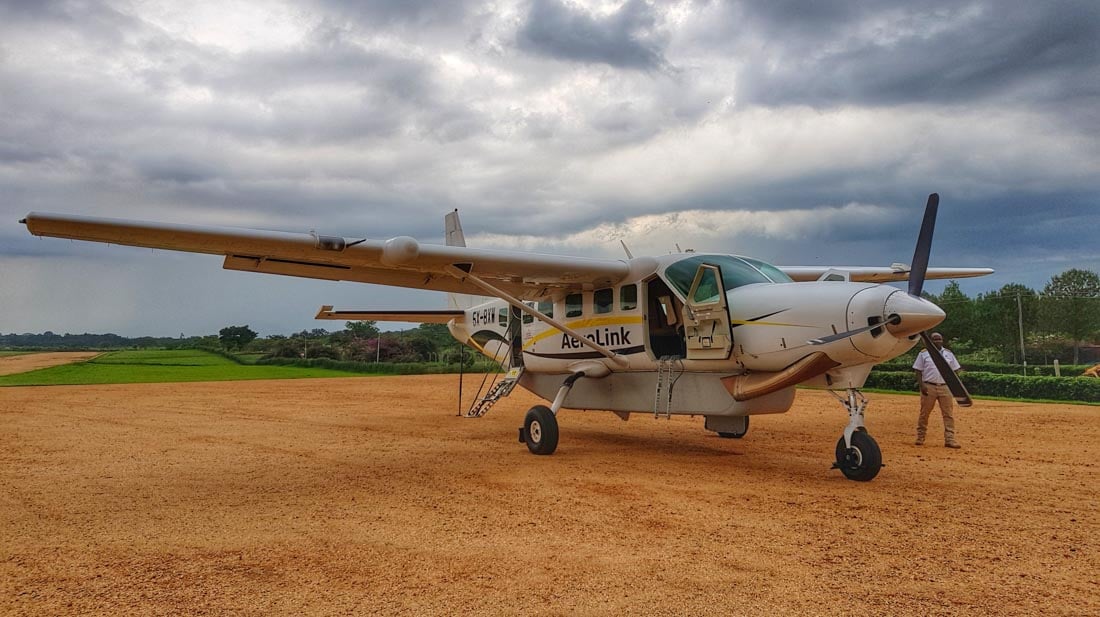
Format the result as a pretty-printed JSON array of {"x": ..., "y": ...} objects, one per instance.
[
  {"x": 857, "y": 454},
  {"x": 861, "y": 460}
]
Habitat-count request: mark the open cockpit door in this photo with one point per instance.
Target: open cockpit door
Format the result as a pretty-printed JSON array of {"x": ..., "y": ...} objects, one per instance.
[{"x": 706, "y": 317}]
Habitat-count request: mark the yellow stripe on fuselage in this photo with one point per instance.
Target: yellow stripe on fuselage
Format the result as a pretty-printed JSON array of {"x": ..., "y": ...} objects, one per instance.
[{"x": 593, "y": 322}]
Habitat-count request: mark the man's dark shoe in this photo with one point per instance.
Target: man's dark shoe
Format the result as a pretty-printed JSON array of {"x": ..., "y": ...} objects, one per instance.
[{"x": 953, "y": 446}]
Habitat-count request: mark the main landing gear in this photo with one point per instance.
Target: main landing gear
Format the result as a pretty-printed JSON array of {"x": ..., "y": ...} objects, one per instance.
[
  {"x": 540, "y": 426},
  {"x": 857, "y": 455}
]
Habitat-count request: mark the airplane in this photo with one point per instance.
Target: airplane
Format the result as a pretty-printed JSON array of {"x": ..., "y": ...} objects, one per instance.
[{"x": 721, "y": 336}]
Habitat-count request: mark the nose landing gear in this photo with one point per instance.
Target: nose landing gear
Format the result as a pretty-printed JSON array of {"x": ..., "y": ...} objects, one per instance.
[{"x": 857, "y": 454}]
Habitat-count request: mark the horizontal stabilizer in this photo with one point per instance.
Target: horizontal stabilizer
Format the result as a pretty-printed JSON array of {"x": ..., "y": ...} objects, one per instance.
[{"x": 326, "y": 312}]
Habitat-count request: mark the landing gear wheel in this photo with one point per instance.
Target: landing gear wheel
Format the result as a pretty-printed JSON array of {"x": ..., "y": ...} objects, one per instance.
[
  {"x": 540, "y": 430},
  {"x": 862, "y": 461},
  {"x": 735, "y": 435}
]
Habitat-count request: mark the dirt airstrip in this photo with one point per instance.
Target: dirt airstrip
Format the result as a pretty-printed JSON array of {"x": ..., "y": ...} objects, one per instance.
[
  {"x": 10, "y": 365},
  {"x": 366, "y": 495}
]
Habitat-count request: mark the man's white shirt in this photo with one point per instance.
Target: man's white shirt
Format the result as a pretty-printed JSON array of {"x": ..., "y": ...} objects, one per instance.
[{"x": 927, "y": 368}]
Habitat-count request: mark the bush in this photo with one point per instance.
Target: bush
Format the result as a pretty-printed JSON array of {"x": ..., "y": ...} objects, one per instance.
[
  {"x": 1075, "y": 389},
  {"x": 317, "y": 351},
  {"x": 1068, "y": 370}
]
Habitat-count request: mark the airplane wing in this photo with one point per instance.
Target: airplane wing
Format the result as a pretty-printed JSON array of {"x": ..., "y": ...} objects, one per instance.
[
  {"x": 401, "y": 261},
  {"x": 879, "y": 274},
  {"x": 445, "y": 316}
]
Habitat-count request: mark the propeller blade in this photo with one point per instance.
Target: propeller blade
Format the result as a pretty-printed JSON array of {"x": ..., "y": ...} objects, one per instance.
[
  {"x": 849, "y": 333},
  {"x": 919, "y": 267},
  {"x": 958, "y": 390}
]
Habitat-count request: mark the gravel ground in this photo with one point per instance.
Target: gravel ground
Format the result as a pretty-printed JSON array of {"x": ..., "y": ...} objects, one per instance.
[{"x": 367, "y": 495}]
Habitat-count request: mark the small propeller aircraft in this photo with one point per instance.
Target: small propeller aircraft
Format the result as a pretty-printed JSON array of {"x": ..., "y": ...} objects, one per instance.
[{"x": 721, "y": 336}]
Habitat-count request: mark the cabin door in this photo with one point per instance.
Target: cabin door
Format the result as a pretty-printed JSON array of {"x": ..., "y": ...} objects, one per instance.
[{"x": 706, "y": 317}]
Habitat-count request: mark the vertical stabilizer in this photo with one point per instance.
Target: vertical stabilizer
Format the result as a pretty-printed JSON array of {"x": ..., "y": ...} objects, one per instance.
[
  {"x": 453, "y": 228},
  {"x": 452, "y": 233}
]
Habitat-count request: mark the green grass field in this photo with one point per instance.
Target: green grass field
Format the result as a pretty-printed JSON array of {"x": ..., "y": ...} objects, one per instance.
[
  {"x": 12, "y": 353},
  {"x": 156, "y": 366}
]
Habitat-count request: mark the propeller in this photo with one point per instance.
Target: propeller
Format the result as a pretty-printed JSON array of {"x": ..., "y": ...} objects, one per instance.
[
  {"x": 917, "y": 271},
  {"x": 910, "y": 314},
  {"x": 954, "y": 384},
  {"x": 919, "y": 267}
]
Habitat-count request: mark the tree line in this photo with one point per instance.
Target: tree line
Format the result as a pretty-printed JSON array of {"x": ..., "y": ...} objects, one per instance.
[
  {"x": 1055, "y": 322},
  {"x": 359, "y": 341}
]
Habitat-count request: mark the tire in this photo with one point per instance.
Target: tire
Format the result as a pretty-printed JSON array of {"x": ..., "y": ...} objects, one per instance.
[
  {"x": 737, "y": 435},
  {"x": 862, "y": 461},
  {"x": 540, "y": 430}
]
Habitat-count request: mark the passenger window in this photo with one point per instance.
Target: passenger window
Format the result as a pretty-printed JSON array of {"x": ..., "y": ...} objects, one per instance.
[
  {"x": 628, "y": 297},
  {"x": 546, "y": 307},
  {"x": 527, "y": 318},
  {"x": 603, "y": 301},
  {"x": 502, "y": 317},
  {"x": 573, "y": 305}
]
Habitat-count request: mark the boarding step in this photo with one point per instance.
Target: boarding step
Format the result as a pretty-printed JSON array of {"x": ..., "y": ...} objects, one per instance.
[
  {"x": 499, "y": 390},
  {"x": 666, "y": 378}
]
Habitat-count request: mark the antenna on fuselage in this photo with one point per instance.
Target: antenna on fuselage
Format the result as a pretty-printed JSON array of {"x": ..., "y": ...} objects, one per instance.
[{"x": 678, "y": 249}]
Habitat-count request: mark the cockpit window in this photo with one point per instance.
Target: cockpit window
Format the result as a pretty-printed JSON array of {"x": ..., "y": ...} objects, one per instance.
[{"x": 735, "y": 272}]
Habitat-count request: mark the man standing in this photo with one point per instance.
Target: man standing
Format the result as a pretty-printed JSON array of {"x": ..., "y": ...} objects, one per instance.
[{"x": 932, "y": 389}]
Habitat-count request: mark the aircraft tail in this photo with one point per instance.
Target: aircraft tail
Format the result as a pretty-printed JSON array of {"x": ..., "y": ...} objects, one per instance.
[{"x": 454, "y": 237}]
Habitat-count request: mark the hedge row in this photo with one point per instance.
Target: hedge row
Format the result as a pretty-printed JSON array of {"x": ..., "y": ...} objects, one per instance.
[
  {"x": 385, "y": 368},
  {"x": 1076, "y": 389},
  {"x": 1067, "y": 370}
]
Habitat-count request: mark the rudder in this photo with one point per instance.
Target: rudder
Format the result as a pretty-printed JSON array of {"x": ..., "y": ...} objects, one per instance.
[{"x": 453, "y": 236}]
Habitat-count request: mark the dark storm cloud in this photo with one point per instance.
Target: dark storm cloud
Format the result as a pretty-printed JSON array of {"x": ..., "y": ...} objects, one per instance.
[
  {"x": 328, "y": 57},
  {"x": 92, "y": 21},
  {"x": 890, "y": 53},
  {"x": 96, "y": 144},
  {"x": 375, "y": 13},
  {"x": 354, "y": 92},
  {"x": 625, "y": 39}
]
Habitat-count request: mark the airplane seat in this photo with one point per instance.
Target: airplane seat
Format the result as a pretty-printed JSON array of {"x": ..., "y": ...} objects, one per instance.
[{"x": 665, "y": 331}]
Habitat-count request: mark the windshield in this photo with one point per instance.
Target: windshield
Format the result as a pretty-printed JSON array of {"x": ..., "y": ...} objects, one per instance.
[
  {"x": 736, "y": 271},
  {"x": 775, "y": 274}
]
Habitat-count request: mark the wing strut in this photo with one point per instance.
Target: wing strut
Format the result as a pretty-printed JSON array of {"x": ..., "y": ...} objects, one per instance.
[{"x": 465, "y": 276}]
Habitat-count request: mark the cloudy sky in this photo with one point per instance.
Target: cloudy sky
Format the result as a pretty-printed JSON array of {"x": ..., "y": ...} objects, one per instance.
[{"x": 799, "y": 133}]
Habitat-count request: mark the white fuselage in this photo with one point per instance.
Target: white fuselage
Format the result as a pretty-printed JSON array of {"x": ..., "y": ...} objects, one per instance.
[{"x": 770, "y": 327}]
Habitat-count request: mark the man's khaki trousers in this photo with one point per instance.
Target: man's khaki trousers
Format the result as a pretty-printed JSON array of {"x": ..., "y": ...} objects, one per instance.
[{"x": 937, "y": 392}]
